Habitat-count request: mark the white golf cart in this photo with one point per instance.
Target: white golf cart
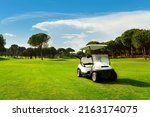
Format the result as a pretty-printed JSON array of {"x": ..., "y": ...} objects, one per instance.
[{"x": 96, "y": 66}]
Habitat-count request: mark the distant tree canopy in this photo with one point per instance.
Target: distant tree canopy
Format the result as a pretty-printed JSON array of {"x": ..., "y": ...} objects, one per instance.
[
  {"x": 2, "y": 42},
  {"x": 38, "y": 40},
  {"x": 141, "y": 40},
  {"x": 93, "y": 42},
  {"x": 131, "y": 43},
  {"x": 49, "y": 52},
  {"x": 69, "y": 51},
  {"x": 135, "y": 40},
  {"x": 14, "y": 50}
]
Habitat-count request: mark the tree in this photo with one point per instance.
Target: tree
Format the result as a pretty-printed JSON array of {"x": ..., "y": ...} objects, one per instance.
[
  {"x": 14, "y": 50},
  {"x": 69, "y": 51},
  {"x": 80, "y": 54},
  {"x": 53, "y": 52},
  {"x": 38, "y": 40},
  {"x": 2, "y": 42},
  {"x": 92, "y": 42},
  {"x": 49, "y": 52},
  {"x": 120, "y": 48},
  {"x": 111, "y": 47},
  {"x": 61, "y": 52},
  {"x": 29, "y": 52},
  {"x": 141, "y": 39},
  {"x": 148, "y": 43},
  {"x": 127, "y": 39},
  {"x": 131, "y": 42},
  {"x": 21, "y": 50}
]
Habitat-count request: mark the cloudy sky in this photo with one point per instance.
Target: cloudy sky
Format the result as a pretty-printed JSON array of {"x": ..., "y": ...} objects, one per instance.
[{"x": 71, "y": 23}]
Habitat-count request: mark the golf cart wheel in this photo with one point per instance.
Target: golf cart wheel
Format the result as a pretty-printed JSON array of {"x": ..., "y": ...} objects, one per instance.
[
  {"x": 94, "y": 76},
  {"x": 79, "y": 73},
  {"x": 114, "y": 76}
]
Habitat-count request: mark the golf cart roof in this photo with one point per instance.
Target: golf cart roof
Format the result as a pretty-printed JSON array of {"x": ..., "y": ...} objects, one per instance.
[{"x": 93, "y": 47}]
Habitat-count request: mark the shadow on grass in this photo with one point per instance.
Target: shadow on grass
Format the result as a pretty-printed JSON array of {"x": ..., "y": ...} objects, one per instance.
[
  {"x": 3, "y": 59},
  {"x": 126, "y": 81}
]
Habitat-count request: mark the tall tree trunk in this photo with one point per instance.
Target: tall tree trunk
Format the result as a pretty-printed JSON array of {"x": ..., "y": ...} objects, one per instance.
[
  {"x": 112, "y": 54},
  {"x": 131, "y": 51},
  {"x": 144, "y": 52},
  {"x": 149, "y": 52},
  {"x": 41, "y": 53}
]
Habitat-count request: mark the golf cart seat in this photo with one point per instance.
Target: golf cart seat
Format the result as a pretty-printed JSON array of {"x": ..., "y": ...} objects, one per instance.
[{"x": 86, "y": 62}]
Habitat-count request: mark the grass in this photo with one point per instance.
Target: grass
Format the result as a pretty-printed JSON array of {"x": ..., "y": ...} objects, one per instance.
[{"x": 56, "y": 79}]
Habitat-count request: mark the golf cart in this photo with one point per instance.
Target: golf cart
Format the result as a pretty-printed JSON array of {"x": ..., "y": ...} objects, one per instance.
[{"x": 96, "y": 66}]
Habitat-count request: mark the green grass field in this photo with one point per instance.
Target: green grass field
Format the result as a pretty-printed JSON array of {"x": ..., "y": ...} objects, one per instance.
[{"x": 56, "y": 79}]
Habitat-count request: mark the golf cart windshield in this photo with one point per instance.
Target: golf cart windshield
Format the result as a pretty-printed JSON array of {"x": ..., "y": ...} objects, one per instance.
[{"x": 101, "y": 58}]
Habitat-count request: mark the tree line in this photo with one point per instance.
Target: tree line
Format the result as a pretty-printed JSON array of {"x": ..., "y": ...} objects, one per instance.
[
  {"x": 131, "y": 43},
  {"x": 49, "y": 52},
  {"x": 41, "y": 49}
]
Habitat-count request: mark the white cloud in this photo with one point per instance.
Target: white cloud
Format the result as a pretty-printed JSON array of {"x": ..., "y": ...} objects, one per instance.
[
  {"x": 39, "y": 15},
  {"x": 100, "y": 28},
  {"x": 75, "y": 41},
  {"x": 72, "y": 36},
  {"x": 74, "y": 23},
  {"x": 9, "y": 35}
]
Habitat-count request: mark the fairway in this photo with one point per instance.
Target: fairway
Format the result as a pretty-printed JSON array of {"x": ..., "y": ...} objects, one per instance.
[{"x": 54, "y": 79}]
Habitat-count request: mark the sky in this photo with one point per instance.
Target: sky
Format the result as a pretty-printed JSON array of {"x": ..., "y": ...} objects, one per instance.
[{"x": 71, "y": 23}]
